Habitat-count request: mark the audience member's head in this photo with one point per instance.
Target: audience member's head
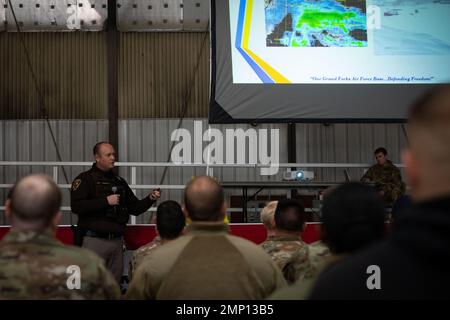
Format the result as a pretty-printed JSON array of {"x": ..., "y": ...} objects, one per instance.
[
  {"x": 427, "y": 158},
  {"x": 289, "y": 216},
  {"x": 35, "y": 204},
  {"x": 204, "y": 200},
  {"x": 268, "y": 216},
  {"x": 352, "y": 218},
  {"x": 170, "y": 220},
  {"x": 380, "y": 155}
]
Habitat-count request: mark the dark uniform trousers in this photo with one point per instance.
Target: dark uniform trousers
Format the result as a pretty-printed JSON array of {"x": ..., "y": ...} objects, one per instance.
[{"x": 111, "y": 251}]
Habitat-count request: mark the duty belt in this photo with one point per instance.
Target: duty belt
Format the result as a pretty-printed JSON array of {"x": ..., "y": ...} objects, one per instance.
[{"x": 109, "y": 236}]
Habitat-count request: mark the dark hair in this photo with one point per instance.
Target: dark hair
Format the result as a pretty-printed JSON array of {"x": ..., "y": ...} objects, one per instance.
[
  {"x": 170, "y": 219},
  {"x": 380, "y": 150},
  {"x": 289, "y": 215},
  {"x": 203, "y": 199},
  {"x": 36, "y": 199},
  {"x": 352, "y": 217},
  {"x": 97, "y": 146}
]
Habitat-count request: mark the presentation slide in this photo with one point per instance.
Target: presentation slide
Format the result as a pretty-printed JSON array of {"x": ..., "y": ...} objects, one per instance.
[
  {"x": 389, "y": 49},
  {"x": 332, "y": 41}
]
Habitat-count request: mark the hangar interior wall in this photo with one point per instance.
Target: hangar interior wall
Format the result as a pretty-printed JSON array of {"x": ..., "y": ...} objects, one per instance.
[{"x": 148, "y": 140}]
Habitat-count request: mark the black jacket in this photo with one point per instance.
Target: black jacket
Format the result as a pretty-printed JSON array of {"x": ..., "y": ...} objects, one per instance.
[
  {"x": 88, "y": 200},
  {"x": 414, "y": 263}
]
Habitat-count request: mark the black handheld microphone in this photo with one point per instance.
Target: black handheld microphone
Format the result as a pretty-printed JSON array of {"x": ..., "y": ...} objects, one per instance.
[{"x": 114, "y": 191}]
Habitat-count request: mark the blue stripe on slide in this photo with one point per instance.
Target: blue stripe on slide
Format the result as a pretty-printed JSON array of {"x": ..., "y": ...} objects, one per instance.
[{"x": 260, "y": 72}]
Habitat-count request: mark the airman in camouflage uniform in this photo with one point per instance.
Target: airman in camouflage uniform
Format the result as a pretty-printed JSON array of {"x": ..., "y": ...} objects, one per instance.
[
  {"x": 286, "y": 247},
  {"x": 141, "y": 253},
  {"x": 291, "y": 255},
  {"x": 386, "y": 177},
  {"x": 348, "y": 226},
  {"x": 170, "y": 224},
  {"x": 320, "y": 258},
  {"x": 33, "y": 264}
]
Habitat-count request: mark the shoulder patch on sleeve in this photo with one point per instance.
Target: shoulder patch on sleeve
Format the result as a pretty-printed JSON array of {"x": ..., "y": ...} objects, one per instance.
[{"x": 76, "y": 183}]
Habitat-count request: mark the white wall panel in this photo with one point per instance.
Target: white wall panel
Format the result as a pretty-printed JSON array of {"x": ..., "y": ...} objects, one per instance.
[
  {"x": 162, "y": 15},
  {"x": 56, "y": 15}
]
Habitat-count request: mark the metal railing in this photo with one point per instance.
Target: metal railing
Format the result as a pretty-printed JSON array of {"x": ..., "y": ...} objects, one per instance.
[{"x": 134, "y": 165}]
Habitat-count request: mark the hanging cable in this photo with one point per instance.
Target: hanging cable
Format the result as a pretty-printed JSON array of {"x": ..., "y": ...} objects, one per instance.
[
  {"x": 41, "y": 100},
  {"x": 405, "y": 133},
  {"x": 44, "y": 111},
  {"x": 186, "y": 99}
]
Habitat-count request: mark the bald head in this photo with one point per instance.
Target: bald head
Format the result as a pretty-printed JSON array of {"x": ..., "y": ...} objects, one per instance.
[
  {"x": 428, "y": 157},
  {"x": 204, "y": 199},
  {"x": 35, "y": 201}
]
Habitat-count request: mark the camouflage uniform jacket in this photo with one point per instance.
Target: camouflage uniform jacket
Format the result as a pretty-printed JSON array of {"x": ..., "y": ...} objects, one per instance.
[
  {"x": 387, "y": 178},
  {"x": 35, "y": 266},
  {"x": 302, "y": 289},
  {"x": 318, "y": 253},
  {"x": 141, "y": 253},
  {"x": 291, "y": 255}
]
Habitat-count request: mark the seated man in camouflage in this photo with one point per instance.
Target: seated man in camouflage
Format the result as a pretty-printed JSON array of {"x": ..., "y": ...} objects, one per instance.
[
  {"x": 386, "y": 177},
  {"x": 286, "y": 248},
  {"x": 170, "y": 224},
  {"x": 352, "y": 220},
  {"x": 33, "y": 264}
]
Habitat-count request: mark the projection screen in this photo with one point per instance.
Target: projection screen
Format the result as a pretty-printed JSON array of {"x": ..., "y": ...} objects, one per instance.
[{"x": 325, "y": 61}]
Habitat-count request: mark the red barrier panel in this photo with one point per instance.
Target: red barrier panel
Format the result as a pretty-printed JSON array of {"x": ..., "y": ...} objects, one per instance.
[{"x": 138, "y": 235}]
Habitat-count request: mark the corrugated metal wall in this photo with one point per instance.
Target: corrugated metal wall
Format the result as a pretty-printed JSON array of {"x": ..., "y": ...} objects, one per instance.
[
  {"x": 71, "y": 71},
  {"x": 346, "y": 143},
  {"x": 30, "y": 140},
  {"x": 155, "y": 72},
  {"x": 148, "y": 140}
]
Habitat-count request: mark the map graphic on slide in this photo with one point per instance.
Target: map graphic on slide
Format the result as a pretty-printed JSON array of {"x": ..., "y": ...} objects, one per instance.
[
  {"x": 316, "y": 23},
  {"x": 412, "y": 27}
]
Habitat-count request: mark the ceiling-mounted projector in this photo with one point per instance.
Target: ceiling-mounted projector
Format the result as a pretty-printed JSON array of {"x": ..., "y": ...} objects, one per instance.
[{"x": 298, "y": 175}]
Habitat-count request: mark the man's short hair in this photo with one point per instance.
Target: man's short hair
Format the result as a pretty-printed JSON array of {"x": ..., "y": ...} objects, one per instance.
[
  {"x": 97, "y": 146},
  {"x": 268, "y": 214},
  {"x": 170, "y": 219},
  {"x": 203, "y": 199},
  {"x": 380, "y": 150},
  {"x": 36, "y": 199},
  {"x": 289, "y": 215},
  {"x": 352, "y": 217}
]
